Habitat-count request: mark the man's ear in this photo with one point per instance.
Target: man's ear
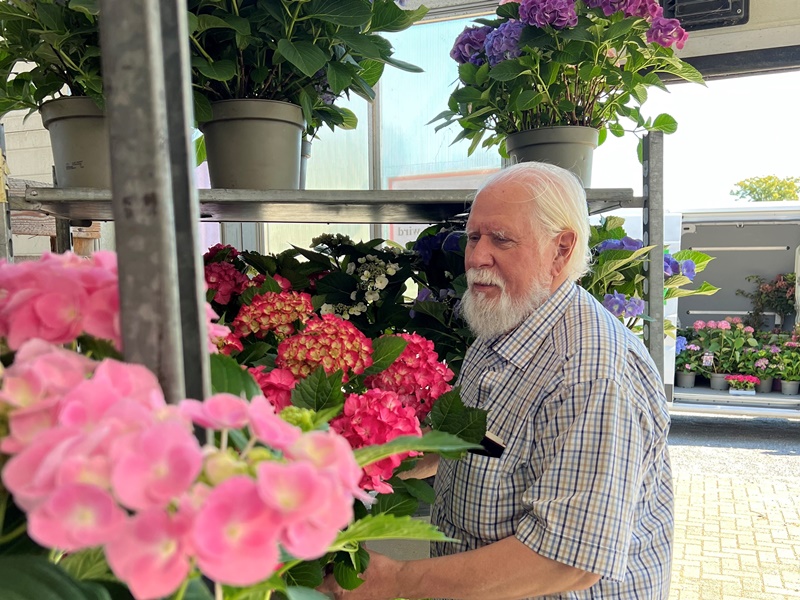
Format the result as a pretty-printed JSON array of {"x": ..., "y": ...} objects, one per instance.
[{"x": 565, "y": 246}]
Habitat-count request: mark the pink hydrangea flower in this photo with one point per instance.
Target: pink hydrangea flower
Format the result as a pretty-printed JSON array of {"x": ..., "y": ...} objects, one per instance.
[
  {"x": 220, "y": 411},
  {"x": 277, "y": 385},
  {"x": 269, "y": 428},
  {"x": 157, "y": 466},
  {"x": 748, "y": 329},
  {"x": 235, "y": 535},
  {"x": 724, "y": 325},
  {"x": 76, "y": 516},
  {"x": 698, "y": 325},
  {"x": 150, "y": 553},
  {"x": 225, "y": 279},
  {"x": 711, "y": 324}
]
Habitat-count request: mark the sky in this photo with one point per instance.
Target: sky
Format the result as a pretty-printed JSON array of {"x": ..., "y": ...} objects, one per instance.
[{"x": 729, "y": 130}]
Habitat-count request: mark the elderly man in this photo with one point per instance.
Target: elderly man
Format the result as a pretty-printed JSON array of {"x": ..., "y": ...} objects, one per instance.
[{"x": 575, "y": 500}]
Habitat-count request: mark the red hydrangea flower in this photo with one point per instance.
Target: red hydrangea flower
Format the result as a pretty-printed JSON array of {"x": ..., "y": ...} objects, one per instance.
[
  {"x": 272, "y": 311},
  {"x": 225, "y": 279},
  {"x": 212, "y": 252},
  {"x": 376, "y": 417},
  {"x": 417, "y": 376},
  {"x": 330, "y": 342},
  {"x": 277, "y": 385}
]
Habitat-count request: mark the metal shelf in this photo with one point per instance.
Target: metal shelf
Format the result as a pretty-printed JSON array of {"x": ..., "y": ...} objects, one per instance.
[
  {"x": 296, "y": 206},
  {"x": 706, "y": 400}
]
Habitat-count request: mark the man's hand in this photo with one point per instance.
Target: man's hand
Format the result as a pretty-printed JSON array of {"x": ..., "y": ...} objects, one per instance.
[{"x": 380, "y": 581}]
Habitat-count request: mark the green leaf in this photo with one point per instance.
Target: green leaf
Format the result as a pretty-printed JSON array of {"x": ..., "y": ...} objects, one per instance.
[
  {"x": 449, "y": 414},
  {"x": 467, "y": 72},
  {"x": 388, "y": 527},
  {"x": 229, "y": 377},
  {"x": 304, "y": 55},
  {"x": 704, "y": 290},
  {"x": 665, "y": 123},
  {"x": 87, "y": 564},
  {"x": 206, "y": 22},
  {"x": 349, "y": 118},
  {"x": 466, "y": 94},
  {"x": 302, "y": 593},
  {"x": 202, "y": 108},
  {"x": 90, "y": 8},
  {"x": 371, "y": 71},
  {"x": 529, "y": 99},
  {"x": 34, "y": 577},
  {"x": 359, "y": 43},
  {"x": 346, "y": 576},
  {"x": 402, "y": 65},
  {"x": 700, "y": 259},
  {"x": 339, "y": 76},
  {"x": 221, "y": 70},
  {"x": 319, "y": 391},
  {"x": 618, "y": 29},
  {"x": 507, "y": 70},
  {"x": 198, "y": 590},
  {"x": 398, "y": 503},
  {"x": 385, "y": 351},
  {"x": 353, "y": 13},
  {"x": 387, "y": 16},
  {"x": 421, "y": 490},
  {"x": 439, "y": 442},
  {"x": 306, "y": 574}
]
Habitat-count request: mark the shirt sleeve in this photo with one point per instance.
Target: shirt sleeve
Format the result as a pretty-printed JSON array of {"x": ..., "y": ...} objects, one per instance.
[{"x": 581, "y": 508}]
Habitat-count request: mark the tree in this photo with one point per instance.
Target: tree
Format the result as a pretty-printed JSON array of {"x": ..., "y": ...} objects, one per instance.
[{"x": 768, "y": 189}]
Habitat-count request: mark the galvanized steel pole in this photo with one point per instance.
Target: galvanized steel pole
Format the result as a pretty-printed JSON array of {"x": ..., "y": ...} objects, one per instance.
[
  {"x": 133, "y": 73},
  {"x": 653, "y": 234}
]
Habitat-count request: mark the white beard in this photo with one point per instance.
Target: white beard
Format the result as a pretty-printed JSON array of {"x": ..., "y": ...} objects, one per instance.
[{"x": 490, "y": 318}]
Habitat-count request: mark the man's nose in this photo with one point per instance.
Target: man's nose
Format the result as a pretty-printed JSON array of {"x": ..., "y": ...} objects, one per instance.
[{"x": 479, "y": 255}]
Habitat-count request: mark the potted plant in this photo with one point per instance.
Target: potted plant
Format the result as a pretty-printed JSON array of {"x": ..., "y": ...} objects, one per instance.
[
  {"x": 723, "y": 344},
  {"x": 542, "y": 70},
  {"x": 687, "y": 362},
  {"x": 50, "y": 62},
  {"x": 770, "y": 296},
  {"x": 742, "y": 385},
  {"x": 267, "y": 73},
  {"x": 790, "y": 375},
  {"x": 764, "y": 364}
]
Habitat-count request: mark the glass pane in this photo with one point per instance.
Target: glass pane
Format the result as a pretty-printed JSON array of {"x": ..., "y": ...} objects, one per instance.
[
  {"x": 339, "y": 161},
  {"x": 413, "y": 154}
]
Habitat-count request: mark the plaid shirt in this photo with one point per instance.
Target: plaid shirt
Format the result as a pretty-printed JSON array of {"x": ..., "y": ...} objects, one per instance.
[{"x": 585, "y": 476}]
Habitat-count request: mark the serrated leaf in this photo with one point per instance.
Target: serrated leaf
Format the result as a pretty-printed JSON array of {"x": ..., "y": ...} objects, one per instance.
[
  {"x": 700, "y": 259},
  {"x": 306, "y": 574},
  {"x": 449, "y": 414},
  {"x": 34, "y": 577},
  {"x": 319, "y": 391},
  {"x": 507, "y": 70},
  {"x": 339, "y": 77},
  {"x": 421, "y": 490},
  {"x": 87, "y": 564},
  {"x": 228, "y": 376},
  {"x": 398, "y": 503},
  {"x": 706, "y": 289},
  {"x": 354, "y": 13},
  {"x": 388, "y": 527},
  {"x": 346, "y": 576},
  {"x": 438, "y": 442},
  {"x": 385, "y": 351},
  {"x": 221, "y": 70},
  {"x": 665, "y": 123}
]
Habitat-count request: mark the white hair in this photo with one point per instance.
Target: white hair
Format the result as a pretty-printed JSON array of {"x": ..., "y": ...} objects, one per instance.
[{"x": 558, "y": 204}]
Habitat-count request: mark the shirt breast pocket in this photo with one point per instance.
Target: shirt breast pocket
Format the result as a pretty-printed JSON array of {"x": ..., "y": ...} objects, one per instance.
[{"x": 478, "y": 503}]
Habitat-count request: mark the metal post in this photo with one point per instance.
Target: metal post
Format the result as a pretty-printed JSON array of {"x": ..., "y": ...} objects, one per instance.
[
  {"x": 653, "y": 235},
  {"x": 133, "y": 71},
  {"x": 63, "y": 235},
  {"x": 174, "y": 32},
  {"x": 6, "y": 246}
]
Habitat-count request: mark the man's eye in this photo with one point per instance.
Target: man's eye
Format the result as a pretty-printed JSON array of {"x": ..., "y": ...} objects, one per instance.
[{"x": 473, "y": 237}]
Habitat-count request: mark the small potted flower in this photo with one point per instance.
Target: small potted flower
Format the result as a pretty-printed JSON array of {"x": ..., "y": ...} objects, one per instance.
[
  {"x": 790, "y": 376},
  {"x": 723, "y": 344},
  {"x": 267, "y": 73},
  {"x": 742, "y": 385},
  {"x": 545, "y": 72},
  {"x": 764, "y": 364},
  {"x": 50, "y": 63},
  {"x": 687, "y": 362}
]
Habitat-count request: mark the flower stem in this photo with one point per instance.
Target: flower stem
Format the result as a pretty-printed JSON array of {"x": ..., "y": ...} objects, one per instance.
[
  {"x": 218, "y": 591},
  {"x": 181, "y": 590},
  {"x": 4, "y": 539}
]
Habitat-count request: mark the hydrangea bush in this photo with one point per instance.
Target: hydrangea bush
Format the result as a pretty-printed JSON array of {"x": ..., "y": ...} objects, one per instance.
[
  {"x": 541, "y": 63},
  {"x": 617, "y": 272},
  {"x": 123, "y": 492}
]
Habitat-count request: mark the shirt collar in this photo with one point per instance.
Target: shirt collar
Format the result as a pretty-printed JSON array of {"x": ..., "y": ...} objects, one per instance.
[{"x": 519, "y": 345}]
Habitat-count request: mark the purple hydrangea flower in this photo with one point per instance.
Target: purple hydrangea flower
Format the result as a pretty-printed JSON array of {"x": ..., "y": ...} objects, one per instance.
[
  {"x": 646, "y": 9},
  {"x": 634, "y": 307},
  {"x": 323, "y": 88},
  {"x": 671, "y": 266},
  {"x": 503, "y": 43},
  {"x": 629, "y": 243},
  {"x": 452, "y": 243},
  {"x": 761, "y": 363},
  {"x": 469, "y": 45},
  {"x": 557, "y": 13},
  {"x": 666, "y": 32},
  {"x": 688, "y": 269},
  {"x": 615, "y": 303},
  {"x": 609, "y": 6},
  {"x": 609, "y": 245},
  {"x": 680, "y": 344}
]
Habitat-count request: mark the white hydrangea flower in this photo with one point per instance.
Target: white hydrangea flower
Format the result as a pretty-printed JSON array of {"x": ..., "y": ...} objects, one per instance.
[
  {"x": 372, "y": 296},
  {"x": 326, "y": 309},
  {"x": 353, "y": 295},
  {"x": 381, "y": 282},
  {"x": 351, "y": 268},
  {"x": 362, "y": 260}
]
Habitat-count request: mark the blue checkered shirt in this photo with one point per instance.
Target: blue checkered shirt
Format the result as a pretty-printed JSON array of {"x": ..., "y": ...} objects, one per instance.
[{"x": 585, "y": 476}]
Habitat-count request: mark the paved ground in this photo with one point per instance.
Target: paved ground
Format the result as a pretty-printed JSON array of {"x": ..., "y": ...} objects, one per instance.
[{"x": 737, "y": 509}]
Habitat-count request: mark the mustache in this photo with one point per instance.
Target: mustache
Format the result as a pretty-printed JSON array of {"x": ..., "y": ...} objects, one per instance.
[{"x": 484, "y": 277}]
